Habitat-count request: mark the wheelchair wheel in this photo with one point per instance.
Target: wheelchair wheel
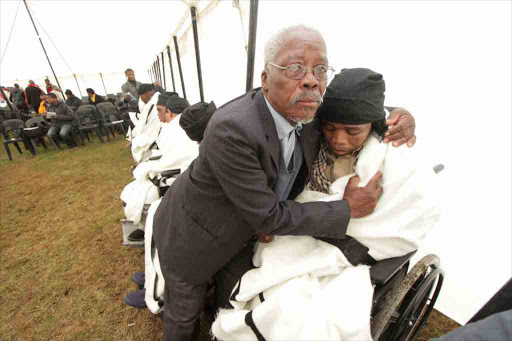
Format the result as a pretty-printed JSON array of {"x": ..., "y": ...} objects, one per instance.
[{"x": 412, "y": 301}]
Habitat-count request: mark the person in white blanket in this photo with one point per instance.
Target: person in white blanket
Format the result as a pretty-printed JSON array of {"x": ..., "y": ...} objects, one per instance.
[
  {"x": 147, "y": 124},
  {"x": 179, "y": 143},
  {"x": 305, "y": 288}
]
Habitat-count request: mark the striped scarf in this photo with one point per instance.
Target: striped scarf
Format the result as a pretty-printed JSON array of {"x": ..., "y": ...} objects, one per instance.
[{"x": 319, "y": 182}]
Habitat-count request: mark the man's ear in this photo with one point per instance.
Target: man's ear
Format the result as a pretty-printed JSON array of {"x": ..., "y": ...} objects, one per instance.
[{"x": 264, "y": 79}]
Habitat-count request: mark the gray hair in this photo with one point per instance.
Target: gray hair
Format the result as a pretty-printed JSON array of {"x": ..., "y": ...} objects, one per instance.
[{"x": 273, "y": 45}]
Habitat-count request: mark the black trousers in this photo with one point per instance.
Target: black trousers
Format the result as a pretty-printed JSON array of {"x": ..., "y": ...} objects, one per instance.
[{"x": 184, "y": 302}]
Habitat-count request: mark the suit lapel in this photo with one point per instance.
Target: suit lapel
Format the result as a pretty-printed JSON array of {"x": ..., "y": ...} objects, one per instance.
[
  {"x": 269, "y": 127},
  {"x": 309, "y": 140}
]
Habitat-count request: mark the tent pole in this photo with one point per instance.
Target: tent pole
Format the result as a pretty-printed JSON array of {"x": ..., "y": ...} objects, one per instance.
[
  {"x": 179, "y": 65},
  {"x": 103, "y": 85},
  {"x": 159, "y": 69},
  {"x": 80, "y": 91},
  {"x": 46, "y": 54},
  {"x": 163, "y": 71},
  {"x": 150, "y": 76},
  {"x": 7, "y": 99},
  {"x": 170, "y": 65},
  {"x": 198, "y": 55},
  {"x": 253, "y": 26}
]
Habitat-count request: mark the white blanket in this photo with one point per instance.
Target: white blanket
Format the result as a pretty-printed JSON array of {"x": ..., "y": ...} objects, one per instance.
[
  {"x": 155, "y": 283},
  {"x": 146, "y": 130},
  {"x": 310, "y": 290}
]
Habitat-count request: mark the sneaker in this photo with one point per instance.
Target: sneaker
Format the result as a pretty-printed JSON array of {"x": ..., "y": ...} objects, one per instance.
[
  {"x": 136, "y": 236},
  {"x": 139, "y": 278},
  {"x": 136, "y": 299}
]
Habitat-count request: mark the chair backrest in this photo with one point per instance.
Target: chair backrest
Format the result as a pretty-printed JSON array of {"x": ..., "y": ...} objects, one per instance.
[
  {"x": 13, "y": 128},
  {"x": 133, "y": 106},
  {"x": 34, "y": 122},
  {"x": 86, "y": 115},
  {"x": 108, "y": 112}
]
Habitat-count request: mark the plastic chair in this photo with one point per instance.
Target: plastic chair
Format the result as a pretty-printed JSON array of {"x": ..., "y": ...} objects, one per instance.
[
  {"x": 36, "y": 129},
  {"x": 13, "y": 133},
  {"x": 88, "y": 122},
  {"x": 109, "y": 118}
]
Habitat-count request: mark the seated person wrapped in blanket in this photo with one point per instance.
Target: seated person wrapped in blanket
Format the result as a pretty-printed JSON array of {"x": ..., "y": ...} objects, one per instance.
[
  {"x": 188, "y": 133},
  {"x": 177, "y": 152},
  {"x": 309, "y": 289}
]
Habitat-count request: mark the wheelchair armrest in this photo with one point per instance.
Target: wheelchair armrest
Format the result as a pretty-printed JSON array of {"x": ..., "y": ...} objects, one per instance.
[
  {"x": 382, "y": 271},
  {"x": 170, "y": 173},
  {"x": 154, "y": 158}
]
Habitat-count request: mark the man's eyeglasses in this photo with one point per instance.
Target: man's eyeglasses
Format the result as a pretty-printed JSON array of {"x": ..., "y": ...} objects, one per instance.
[{"x": 298, "y": 71}]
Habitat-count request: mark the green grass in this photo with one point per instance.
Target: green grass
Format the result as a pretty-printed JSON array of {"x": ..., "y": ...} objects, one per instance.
[{"x": 63, "y": 269}]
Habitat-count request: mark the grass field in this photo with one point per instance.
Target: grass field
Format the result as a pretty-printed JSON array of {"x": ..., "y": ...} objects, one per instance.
[{"x": 63, "y": 270}]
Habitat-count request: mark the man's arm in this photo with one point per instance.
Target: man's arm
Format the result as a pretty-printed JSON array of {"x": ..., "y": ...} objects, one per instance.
[
  {"x": 66, "y": 114},
  {"x": 235, "y": 163}
]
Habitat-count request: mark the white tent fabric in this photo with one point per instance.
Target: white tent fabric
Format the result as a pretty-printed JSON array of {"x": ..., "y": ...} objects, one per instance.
[{"x": 448, "y": 62}]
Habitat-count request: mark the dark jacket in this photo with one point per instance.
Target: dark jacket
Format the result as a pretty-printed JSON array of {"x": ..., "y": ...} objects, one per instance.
[
  {"x": 33, "y": 96},
  {"x": 225, "y": 197},
  {"x": 74, "y": 102},
  {"x": 99, "y": 99},
  {"x": 64, "y": 114}
]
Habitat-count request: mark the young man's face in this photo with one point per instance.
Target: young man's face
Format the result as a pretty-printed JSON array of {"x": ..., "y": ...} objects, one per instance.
[
  {"x": 51, "y": 100},
  {"x": 130, "y": 75},
  {"x": 164, "y": 114},
  {"x": 69, "y": 96},
  {"x": 343, "y": 139}
]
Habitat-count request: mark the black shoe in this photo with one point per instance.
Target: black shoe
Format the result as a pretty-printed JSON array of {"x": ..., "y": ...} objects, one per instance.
[
  {"x": 136, "y": 299},
  {"x": 139, "y": 278},
  {"x": 136, "y": 236}
]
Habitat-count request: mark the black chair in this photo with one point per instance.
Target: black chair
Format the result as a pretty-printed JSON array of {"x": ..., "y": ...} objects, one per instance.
[
  {"x": 109, "y": 119},
  {"x": 35, "y": 130},
  {"x": 88, "y": 122},
  {"x": 13, "y": 133}
]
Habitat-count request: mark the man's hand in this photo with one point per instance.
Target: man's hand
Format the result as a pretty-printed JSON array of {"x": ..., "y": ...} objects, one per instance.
[
  {"x": 264, "y": 238},
  {"x": 401, "y": 126},
  {"x": 362, "y": 200}
]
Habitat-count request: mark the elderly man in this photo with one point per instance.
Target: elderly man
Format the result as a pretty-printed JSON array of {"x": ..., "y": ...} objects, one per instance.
[
  {"x": 62, "y": 118},
  {"x": 255, "y": 157}
]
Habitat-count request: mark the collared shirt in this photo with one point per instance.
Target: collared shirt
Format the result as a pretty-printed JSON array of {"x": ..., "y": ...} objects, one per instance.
[
  {"x": 93, "y": 97},
  {"x": 284, "y": 133},
  {"x": 289, "y": 143}
]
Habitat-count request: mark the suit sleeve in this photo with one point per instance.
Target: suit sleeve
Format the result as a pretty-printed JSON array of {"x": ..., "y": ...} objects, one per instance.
[{"x": 235, "y": 163}]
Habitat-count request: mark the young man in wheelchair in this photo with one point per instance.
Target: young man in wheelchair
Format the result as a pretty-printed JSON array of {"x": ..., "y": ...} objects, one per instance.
[{"x": 304, "y": 288}]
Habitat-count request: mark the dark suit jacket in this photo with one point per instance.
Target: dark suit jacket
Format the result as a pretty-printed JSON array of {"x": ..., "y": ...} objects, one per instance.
[{"x": 225, "y": 197}]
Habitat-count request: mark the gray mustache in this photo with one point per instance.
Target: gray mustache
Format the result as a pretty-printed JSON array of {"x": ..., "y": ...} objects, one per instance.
[{"x": 308, "y": 95}]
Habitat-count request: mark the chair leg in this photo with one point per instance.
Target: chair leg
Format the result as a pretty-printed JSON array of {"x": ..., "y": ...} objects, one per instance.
[
  {"x": 54, "y": 143},
  {"x": 32, "y": 147},
  {"x": 41, "y": 140},
  {"x": 122, "y": 129},
  {"x": 112, "y": 131},
  {"x": 6, "y": 146},
  {"x": 18, "y": 147},
  {"x": 99, "y": 134}
]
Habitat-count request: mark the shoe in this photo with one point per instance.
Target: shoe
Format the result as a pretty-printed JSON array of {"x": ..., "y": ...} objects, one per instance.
[
  {"x": 139, "y": 278},
  {"x": 136, "y": 299},
  {"x": 136, "y": 236}
]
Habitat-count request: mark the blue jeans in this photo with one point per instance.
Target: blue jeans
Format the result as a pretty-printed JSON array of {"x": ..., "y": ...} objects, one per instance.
[{"x": 62, "y": 133}]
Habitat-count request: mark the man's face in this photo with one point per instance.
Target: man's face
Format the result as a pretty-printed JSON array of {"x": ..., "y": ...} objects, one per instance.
[
  {"x": 69, "y": 96},
  {"x": 47, "y": 82},
  {"x": 44, "y": 98},
  {"x": 343, "y": 139},
  {"x": 297, "y": 100},
  {"x": 90, "y": 94},
  {"x": 130, "y": 75},
  {"x": 51, "y": 100},
  {"x": 164, "y": 114},
  {"x": 146, "y": 96}
]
